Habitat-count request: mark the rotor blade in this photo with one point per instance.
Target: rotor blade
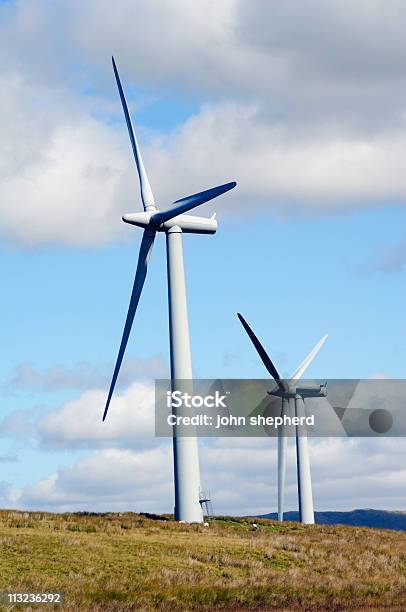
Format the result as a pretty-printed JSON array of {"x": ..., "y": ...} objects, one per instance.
[
  {"x": 307, "y": 361},
  {"x": 185, "y": 204},
  {"x": 146, "y": 191},
  {"x": 262, "y": 353},
  {"x": 143, "y": 257}
]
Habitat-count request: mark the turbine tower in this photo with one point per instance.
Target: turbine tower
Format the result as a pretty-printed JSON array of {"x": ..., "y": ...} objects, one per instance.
[
  {"x": 173, "y": 222},
  {"x": 292, "y": 396}
]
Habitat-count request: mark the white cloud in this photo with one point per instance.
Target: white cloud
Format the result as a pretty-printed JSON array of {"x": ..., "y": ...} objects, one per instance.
[
  {"x": 306, "y": 117},
  {"x": 60, "y": 175},
  {"x": 275, "y": 169},
  {"x": 171, "y": 44},
  {"x": 19, "y": 425},
  {"x": 107, "y": 480},
  {"x": 128, "y": 468},
  {"x": 240, "y": 473},
  {"x": 78, "y": 424},
  {"x": 305, "y": 54},
  {"x": 346, "y": 474}
]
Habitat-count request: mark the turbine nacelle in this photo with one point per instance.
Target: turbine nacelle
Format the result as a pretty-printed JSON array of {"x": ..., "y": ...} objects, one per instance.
[
  {"x": 187, "y": 223},
  {"x": 304, "y": 391}
]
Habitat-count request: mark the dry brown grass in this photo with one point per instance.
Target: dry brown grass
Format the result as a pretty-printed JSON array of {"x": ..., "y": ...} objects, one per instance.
[{"x": 127, "y": 562}]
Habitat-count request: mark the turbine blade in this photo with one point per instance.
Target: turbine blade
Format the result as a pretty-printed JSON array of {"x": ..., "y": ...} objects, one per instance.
[
  {"x": 143, "y": 257},
  {"x": 145, "y": 188},
  {"x": 262, "y": 353},
  {"x": 185, "y": 204},
  {"x": 307, "y": 361}
]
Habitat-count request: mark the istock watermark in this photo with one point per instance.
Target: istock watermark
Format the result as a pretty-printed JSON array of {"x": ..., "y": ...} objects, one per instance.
[
  {"x": 218, "y": 421},
  {"x": 176, "y": 399},
  {"x": 239, "y": 407}
]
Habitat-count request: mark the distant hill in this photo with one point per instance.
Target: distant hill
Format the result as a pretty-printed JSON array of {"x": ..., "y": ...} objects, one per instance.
[{"x": 379, "y": 519}]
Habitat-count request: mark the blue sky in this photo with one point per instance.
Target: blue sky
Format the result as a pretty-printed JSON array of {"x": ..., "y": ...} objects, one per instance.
[{"x": 310, "y": 242}]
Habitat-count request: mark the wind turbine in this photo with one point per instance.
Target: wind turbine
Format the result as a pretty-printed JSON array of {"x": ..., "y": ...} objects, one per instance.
[
  {"x": 292, "y": 396},
  {"x": 173, "y": 222}
]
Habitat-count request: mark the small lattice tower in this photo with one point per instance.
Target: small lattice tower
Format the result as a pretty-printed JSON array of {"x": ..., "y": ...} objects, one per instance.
[{"x": 205, "y": 502}]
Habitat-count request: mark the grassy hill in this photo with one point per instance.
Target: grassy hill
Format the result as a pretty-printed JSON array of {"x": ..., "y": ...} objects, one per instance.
[
  {"x": 380, "y": 519},
  {"x": 130, "y": 562}
]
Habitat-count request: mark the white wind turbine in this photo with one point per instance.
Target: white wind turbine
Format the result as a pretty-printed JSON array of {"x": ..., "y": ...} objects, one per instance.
[
  {"x": 292, "y": 396},
  {"x": 173, "y": 222}
]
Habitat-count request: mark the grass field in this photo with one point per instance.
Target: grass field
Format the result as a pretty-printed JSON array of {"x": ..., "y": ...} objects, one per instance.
[{"x": 129, "y": 562}]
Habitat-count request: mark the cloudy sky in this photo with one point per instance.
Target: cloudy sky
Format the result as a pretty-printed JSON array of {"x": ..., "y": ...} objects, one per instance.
[{"x": 304, "y": 105}]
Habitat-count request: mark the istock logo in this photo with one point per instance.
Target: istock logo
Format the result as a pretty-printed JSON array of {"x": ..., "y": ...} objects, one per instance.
[{"x": 176, "y": 399}]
